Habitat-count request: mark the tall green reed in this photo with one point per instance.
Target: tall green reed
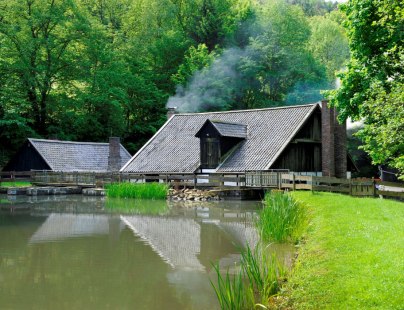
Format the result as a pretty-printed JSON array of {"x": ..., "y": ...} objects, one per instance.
[
  {"x": 231, "y": 291},
  {"x": 282, "y": 218},
  {"x": 259, "y": 279},
  {"x": 137, "y": 190}
]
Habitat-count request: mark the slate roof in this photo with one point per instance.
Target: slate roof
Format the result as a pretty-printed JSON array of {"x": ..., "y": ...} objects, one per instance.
[
  {"x": 226, "y": 129},
  {"x": 76, "y": 156},
  {"x": 174, "y": 148}
]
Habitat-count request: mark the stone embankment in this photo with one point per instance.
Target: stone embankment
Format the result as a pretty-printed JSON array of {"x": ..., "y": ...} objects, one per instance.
[
  {"x": 193, "y": 194},
  {"x": 65, "y": 190}
]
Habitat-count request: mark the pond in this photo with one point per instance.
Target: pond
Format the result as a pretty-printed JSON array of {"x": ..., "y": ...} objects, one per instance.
[{"x": 74, "y": 253}]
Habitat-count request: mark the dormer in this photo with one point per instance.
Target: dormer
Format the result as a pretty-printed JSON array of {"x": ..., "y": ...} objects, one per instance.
[{"x": 217, "y": 139}]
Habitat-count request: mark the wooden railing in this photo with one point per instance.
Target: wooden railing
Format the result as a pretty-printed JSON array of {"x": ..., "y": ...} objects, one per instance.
[
  {"x": 353, "y": 187},
  {"x": 13, "y": 176},
  {"x": 174, "y": 179},
  {"x": 250, "y": 179},
  {"x": 64, "y": 178},
  {"x": 263, "y": 179}
]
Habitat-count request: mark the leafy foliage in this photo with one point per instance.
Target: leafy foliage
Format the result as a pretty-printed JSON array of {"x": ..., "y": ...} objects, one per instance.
[
  {"x": 88, "y": 69},
  {"x": 383, "y": 135},
  {"x": 371, "y": 86}
]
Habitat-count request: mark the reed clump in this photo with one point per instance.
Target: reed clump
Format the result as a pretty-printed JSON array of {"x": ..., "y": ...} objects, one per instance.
[
  {"x": 137, "y": 190},
  {"x": 15, "y": 184},
  {"x": 259, "y": 279},
  {"x": 283, "y": 219}
]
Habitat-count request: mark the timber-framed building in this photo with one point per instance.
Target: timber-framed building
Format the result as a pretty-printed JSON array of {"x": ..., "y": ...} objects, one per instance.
[{"x": 304, "y": 139}]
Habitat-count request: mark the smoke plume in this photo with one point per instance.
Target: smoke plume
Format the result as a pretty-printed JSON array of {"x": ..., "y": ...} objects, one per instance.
[{"x": 212, "y": 88}]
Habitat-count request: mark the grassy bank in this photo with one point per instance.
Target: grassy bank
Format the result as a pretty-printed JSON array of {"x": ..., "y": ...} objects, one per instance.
[
  {"x": 353, "y": 257},
  {"x": 137, "y": 190}
]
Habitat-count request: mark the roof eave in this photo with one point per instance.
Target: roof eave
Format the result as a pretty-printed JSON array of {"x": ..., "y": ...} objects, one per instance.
[{"x": 40, "y": 154}]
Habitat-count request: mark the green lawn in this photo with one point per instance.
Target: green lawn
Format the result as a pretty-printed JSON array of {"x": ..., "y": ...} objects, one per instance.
[{"x": 353, "y": 257}]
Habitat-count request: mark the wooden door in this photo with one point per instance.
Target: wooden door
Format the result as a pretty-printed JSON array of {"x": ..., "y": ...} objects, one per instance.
[{"x": 210, "y": 149}]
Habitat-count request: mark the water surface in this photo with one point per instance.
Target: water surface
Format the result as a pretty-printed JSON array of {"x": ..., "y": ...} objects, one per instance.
[{"x": 72, "y": 253}]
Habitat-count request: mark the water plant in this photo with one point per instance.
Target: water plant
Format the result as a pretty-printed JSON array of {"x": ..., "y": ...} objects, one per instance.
[
  {"x": 15, "y": 184},
  {"x": 152, "y": 190},
  {"x": 282, "y": 218},
  {"x": 231, "y": 291},
  {"x": 259, "y": 278}
]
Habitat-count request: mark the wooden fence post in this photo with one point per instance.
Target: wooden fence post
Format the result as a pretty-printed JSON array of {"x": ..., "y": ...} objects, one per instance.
[
  {"x": 260, "y": 185},
  {"x": 311, "y": 181},
  {"x": 373, "y": 187},
  {"x": 350, "y": 187},
  {"x": 294, "y": 182}
]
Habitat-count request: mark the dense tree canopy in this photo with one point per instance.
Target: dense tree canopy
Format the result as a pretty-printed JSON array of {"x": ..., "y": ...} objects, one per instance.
[
  {"x": 88, "y": 69},
  {"x": 372, "y": 84}
]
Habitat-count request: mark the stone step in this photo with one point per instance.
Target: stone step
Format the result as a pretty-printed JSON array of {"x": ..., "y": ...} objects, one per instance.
[
  {"x": 17, "y": 191},
  {"x": 94, "y": 192}
]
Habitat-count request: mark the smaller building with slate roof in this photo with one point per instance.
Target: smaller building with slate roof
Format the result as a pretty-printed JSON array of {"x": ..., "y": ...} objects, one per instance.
[
  {"x": 304, "y": 138},
  {"x": 69, "y": 156}
]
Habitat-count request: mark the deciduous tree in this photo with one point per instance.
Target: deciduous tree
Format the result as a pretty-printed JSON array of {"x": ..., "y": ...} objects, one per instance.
[{"x": 372, "y": 85}]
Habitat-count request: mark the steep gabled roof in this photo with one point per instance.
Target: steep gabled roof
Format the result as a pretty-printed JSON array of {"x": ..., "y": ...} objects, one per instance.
[
  {"x": 174, "y": 148},
  {"x": 75, "y": 156}
]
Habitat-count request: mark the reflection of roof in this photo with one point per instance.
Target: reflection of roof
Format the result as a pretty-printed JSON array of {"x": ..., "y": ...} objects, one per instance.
[
  {"x": 174, "y": 148},
  {"x": 62, "y": 226},
  {"x": 75, "y": 156},
  {"x": 244, "y": 234},
  {"x": 176, "y": 240}
]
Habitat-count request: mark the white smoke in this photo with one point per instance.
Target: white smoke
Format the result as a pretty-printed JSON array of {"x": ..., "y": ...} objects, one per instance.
[{"x": 212, "y": 88}]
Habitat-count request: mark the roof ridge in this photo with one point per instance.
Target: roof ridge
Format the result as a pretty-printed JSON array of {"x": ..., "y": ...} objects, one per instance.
[
  {"x": 226, "y": 122},
  {"x": 248, "y": 110},
  {"x": 67, "y": 142}
]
